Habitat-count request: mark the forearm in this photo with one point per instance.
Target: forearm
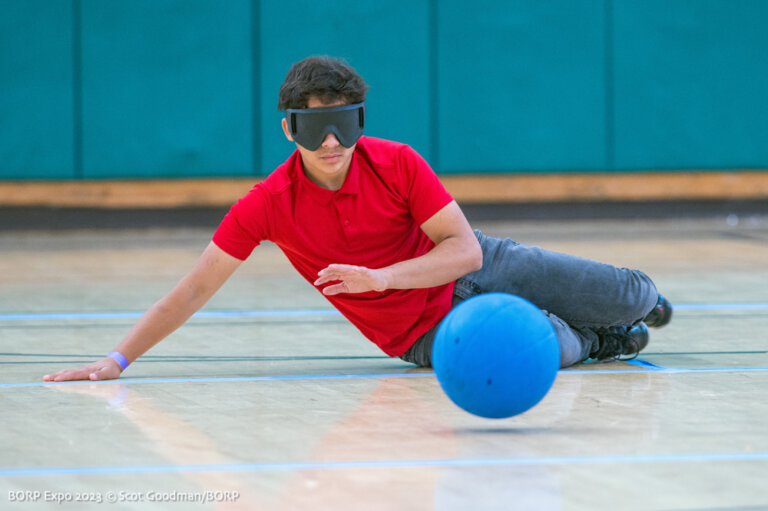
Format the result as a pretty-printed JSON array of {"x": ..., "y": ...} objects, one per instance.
[
  {"x": 160, "y": 320},
  {"x": 456, "y": 253},
  {"x": 190, "y": 294},
  {"x": 447, "y": 261}
]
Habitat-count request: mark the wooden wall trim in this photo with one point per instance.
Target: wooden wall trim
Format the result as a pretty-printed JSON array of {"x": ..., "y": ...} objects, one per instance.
[{"x": 642, "y": 186}]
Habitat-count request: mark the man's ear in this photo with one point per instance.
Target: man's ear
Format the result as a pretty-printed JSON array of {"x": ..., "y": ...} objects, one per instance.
[{"x": 285, "y": 130}]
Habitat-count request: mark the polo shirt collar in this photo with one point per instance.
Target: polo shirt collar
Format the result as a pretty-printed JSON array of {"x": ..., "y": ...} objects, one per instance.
[{"x": 322, "y": 195}]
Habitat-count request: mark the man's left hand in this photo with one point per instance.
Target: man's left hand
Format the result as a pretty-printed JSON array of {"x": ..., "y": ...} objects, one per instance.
[{"x": 351, "y": 279}]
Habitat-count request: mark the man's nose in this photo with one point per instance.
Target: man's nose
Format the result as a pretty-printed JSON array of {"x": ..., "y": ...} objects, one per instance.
[{"x": 331, "y": 141}]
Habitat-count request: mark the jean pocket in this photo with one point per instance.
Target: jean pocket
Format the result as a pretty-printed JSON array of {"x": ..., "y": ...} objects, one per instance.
[{"x": 465, "y": 288}]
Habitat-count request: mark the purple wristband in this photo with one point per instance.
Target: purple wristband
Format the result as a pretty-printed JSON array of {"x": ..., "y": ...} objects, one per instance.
[{"x": 119, "y": 358}]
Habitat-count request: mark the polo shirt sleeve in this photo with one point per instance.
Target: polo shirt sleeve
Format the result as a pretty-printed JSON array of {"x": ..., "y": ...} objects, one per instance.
[
  {"x": 425, "y": 194},
  {"x": 245, "y": 226}
]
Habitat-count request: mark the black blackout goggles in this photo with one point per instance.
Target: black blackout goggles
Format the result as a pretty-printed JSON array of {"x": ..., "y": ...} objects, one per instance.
[{"x": 310, "y": 126}]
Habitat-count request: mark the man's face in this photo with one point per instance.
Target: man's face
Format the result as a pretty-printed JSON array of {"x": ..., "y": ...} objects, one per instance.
[{"x": 328, "y": 165}]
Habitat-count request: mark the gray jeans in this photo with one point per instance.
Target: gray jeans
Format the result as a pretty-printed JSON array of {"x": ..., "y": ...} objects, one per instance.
[{"x": 578, "y": 296}]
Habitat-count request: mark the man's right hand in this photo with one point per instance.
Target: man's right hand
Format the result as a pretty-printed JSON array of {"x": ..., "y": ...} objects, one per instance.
[{"x": 105, "y": 369}]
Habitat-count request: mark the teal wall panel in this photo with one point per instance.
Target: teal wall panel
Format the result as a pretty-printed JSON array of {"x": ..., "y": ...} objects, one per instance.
[
  {"x": 691, "y": 84},
  {"x": 386, "y": 42},
  {"x": 184, "y": 88},
  {"x": 36, "y": 103},
  {"x": 166, "y": 88},
  {"x": 521, "y": 85}
]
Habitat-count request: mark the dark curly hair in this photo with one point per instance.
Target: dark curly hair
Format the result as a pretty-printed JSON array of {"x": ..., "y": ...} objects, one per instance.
[{"x": 328, "y": 78}]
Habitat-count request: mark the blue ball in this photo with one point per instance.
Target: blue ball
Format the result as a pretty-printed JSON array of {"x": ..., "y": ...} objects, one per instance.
[{"x": 496, "y": 355}]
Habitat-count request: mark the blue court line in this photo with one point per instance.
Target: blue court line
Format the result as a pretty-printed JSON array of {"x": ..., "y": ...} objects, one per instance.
[
  {"x": 378, "y": 464},
  {"x": 47, "y": 316},
  {"x": 670, "y": 370},
  {"x": 225, "y": 379},
  {"x": 644, "y": 363},
  {"x": 719, "y": 306}
]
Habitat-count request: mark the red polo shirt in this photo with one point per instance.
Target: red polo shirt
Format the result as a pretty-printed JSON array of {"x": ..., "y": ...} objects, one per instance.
[{"x": 372, "y": 221}]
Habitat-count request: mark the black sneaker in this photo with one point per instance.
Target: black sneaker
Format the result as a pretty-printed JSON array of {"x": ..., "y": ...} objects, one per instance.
[
  {"x": 620, "y": 342},
  {"x": 660, "y": 315}
]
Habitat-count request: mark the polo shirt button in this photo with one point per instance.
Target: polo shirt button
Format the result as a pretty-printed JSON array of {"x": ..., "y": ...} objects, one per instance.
[{"x": 346, "y": 222}]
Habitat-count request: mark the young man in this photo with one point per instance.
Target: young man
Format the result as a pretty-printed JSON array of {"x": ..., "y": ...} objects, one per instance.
[{"x": 368, "y": 223}]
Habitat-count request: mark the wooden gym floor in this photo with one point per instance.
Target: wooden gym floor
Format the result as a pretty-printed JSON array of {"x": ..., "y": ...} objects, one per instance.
[{"x": 270, "y": 400}]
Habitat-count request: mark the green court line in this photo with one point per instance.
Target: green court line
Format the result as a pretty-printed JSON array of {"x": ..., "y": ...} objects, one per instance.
[{"x": 84, "y": 359}]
